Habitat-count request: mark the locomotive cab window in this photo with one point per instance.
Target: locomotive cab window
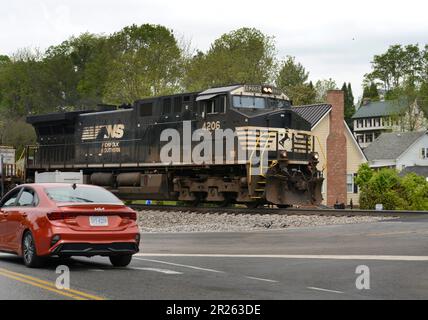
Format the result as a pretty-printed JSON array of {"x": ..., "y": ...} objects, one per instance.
[
  {"x": 278, "y": 103},
  {"x": 214, "y": 106},
  {"x": 251, "y": 102}
]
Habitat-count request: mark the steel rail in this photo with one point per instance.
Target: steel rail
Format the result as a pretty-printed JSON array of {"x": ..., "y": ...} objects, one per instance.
[{"x": 288, "y": 211}]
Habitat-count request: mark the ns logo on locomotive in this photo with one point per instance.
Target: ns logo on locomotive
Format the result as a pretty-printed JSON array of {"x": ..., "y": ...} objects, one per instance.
[{"x": 234, "y": 144}]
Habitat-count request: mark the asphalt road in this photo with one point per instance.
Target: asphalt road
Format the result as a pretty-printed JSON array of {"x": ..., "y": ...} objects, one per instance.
[{"x": 307, "y": 263}]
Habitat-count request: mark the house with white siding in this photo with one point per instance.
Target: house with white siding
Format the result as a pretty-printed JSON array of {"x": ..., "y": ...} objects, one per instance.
[
  {"x": 376, "y": 117},
  {"x": 398, "y": 150},
  {"x": 323, "y": 122}
]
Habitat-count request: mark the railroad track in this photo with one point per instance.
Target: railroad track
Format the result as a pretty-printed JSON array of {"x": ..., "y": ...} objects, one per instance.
[{"x": 288, "y": 211}]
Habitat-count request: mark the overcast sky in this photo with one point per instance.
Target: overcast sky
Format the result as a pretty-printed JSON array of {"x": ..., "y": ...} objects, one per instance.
[{"x": 331, "y": 38}]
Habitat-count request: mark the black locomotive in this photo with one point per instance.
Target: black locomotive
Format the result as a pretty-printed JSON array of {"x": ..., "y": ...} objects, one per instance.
[{"x": 130, "y": 149}]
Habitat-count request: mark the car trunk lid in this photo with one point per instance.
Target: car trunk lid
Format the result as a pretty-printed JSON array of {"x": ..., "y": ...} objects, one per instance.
[{"x": 94, "y": 217}]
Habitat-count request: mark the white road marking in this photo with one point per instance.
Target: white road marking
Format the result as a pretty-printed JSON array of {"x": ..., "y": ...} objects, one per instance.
[
  {"x": 165, "y": 271},
  {"x": 292, "y": 256},
  {"x": 181, "y": 265},
  {"x": 326, "y": 290},
  {"x": 261, "y": 279}
]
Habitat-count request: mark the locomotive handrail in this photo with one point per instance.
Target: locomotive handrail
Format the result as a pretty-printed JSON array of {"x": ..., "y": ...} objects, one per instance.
[
  {"x": 262, "y": 153},
  {"x": 323, "y": 154},
  {"x": 270, "y": 135}
]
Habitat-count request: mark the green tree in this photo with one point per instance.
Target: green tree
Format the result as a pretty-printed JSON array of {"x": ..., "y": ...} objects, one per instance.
[
  {"x": 23, "y": 83},
  {"x": 322, "y": 87},
  {"x": 292, "y": 79},
  {"x": 147, "y": 61},
  {"x": 364, "y": 175},
  {"x": 384, "y": 188},
  {"x": 399, "y": 65},
  {"x": 423, "y": 97},
  {"x": 291, "y": 74},
  {"x": 245, "y": 55},
  {"x": 23, "y": 134},
  {"x": 349, "y": 104},
  {"x": 90, "y": 56},
  {"x": 414, "y": 191},
  {"x": 4, "y": 59},
  {"x": 370, "y": 91}
]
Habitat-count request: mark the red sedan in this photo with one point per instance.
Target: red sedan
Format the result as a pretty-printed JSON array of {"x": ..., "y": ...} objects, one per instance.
[{"x": 55, "y": 219}]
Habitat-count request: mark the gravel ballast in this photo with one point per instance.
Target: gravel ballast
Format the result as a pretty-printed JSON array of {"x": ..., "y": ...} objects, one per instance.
[{"x": 176, "y": 221}]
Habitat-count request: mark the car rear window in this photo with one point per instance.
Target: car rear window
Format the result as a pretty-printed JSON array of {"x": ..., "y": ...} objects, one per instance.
[{"x": 81, "y": 194}]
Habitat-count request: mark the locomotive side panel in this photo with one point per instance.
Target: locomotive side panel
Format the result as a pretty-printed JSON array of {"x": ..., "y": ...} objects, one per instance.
[
  {"x": 106, "y": 138},
  {"x": 121, "y": 149}
]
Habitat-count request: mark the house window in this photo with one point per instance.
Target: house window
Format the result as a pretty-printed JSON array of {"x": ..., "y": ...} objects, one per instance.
[
  {"x": 355, "y": 185},
  {"x": 350, "y": 183},
  {"x": 369, "y": 137},
  {"x": 377, "y": 122},
  {"x": 360, "y": 138},
  {"x": 424, "y": 153}
]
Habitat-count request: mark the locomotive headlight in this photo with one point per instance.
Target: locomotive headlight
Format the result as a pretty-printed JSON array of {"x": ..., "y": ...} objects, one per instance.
[{"x": 316, "y": 156}]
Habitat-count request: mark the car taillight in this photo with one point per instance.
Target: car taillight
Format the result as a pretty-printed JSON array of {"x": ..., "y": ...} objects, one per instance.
[
  {"x": 56, "y": 215},
  {"x": 133, "y": 216},
  {"x": 129, "y": 215}
]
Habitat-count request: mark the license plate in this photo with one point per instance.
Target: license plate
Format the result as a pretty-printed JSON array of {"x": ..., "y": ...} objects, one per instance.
[{"x": 98, "y": 221}]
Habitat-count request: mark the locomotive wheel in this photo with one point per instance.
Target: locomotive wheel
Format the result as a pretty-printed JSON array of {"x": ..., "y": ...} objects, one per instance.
[
  {"x": 224, "y": 203},
  {"x": 252, "y": 205},
  {"x": 228, "y": 200},
  {"x": 194, "y": 203},
  {"x": 284, "y": 206}
]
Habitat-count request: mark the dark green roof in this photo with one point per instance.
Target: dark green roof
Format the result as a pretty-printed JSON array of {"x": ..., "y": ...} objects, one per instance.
[{"x": 380, "y": 108}]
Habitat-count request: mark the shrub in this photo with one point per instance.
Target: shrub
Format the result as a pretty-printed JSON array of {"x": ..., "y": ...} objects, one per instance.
[{"x": 392, "y": 191}]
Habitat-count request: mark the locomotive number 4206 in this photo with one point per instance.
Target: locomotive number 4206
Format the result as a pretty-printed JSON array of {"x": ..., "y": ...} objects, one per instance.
[{"x": 211, "y": 125}]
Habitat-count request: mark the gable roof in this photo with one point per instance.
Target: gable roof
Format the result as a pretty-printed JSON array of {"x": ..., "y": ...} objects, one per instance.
[
  {"x": 312, "y": 113},
  {"x": 380, "y": 108},
  {"x": 391, "y": 145},
  {"x": 356, "y": 144}
]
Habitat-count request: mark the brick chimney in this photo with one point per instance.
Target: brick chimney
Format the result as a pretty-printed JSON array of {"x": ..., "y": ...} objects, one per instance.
[{"x": 336, "y": 150}]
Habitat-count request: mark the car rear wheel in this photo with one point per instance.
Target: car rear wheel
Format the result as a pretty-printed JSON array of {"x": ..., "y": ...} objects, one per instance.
[
  {"x": 29, "y": 254},
  {"x": 121, "y": 261}
]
